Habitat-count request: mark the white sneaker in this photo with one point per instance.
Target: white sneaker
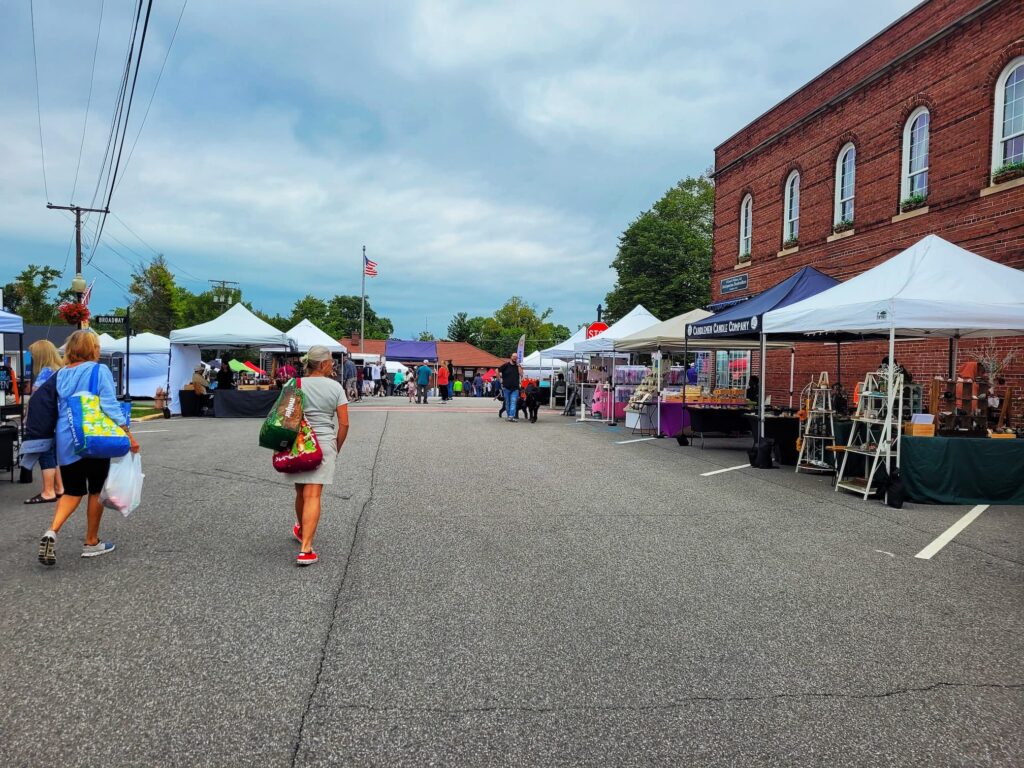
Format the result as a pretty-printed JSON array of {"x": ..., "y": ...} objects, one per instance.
[
  {"x": 97, "y": 549},
  {"x": 46, "y": 546}
]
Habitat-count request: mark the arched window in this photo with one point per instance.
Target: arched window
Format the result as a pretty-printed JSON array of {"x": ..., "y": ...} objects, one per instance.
[
  {"x": 915, "y": 154},
  {"x": 846, "y": 169},
  {"x": 791, "y": 209},
  {"x": 746, "y": 227},
  {"x": 1008, "y": 125}
]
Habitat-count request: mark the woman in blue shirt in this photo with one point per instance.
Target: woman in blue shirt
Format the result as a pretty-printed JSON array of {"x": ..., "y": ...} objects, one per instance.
[{"x": 82, "y": 476}]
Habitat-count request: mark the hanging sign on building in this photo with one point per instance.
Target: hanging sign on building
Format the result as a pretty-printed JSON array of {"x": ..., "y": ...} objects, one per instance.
[{"x": 734, "y": 283}]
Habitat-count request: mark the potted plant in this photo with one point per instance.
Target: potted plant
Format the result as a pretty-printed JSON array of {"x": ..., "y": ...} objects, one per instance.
[
  {"x": 73, "y": 313},
  {"x": 1008, "y": 172},
  {"x": 842, "y": 226},
  {"x": 745, "y": 256},
  {"x": 792, "y": 242},
  {"x": 915, "y": 201}
]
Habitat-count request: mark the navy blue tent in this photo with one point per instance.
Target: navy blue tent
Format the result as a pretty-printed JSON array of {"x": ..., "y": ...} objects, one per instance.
[
  {"x": 743, "y": 320},
  {"x": 410, "y": 351}
]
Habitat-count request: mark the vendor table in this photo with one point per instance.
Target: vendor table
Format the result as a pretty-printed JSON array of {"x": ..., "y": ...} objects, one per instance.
[
  {"x": 243, "y": 404},
  {"x": 724, "y": 420},
  {"x": 963, "y": 470}
]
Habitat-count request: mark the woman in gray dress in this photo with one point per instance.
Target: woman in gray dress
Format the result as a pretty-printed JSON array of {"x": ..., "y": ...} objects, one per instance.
[{"x": 325, "y": 407}]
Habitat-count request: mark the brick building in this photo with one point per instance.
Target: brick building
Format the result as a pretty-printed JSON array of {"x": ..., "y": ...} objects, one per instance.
[{"x": 902, "y": 138}]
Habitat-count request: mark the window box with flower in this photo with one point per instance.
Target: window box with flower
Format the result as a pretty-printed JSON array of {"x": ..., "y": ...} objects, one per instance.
[
  {"x": 1008, "y": 172},
  {"x": 792, "y": 242},
  {"x": 842, "y": 226},
  {"x": 913, "y": 202}
]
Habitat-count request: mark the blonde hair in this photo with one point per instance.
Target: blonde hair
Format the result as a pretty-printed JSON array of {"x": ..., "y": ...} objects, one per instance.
[
  {"x": 45, "y": 355},
  {"x": 82, "y": 347}
]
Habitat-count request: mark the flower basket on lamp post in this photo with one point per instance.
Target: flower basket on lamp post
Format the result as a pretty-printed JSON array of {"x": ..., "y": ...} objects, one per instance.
[{"x": 73, "y": 313}]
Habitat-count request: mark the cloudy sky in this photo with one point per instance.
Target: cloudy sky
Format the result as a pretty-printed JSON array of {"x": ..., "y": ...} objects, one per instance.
[{"x": 478, "y": 149}]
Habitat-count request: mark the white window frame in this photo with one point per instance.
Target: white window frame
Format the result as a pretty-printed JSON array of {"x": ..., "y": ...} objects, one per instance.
[
  {"x": 998, "y": 114},
  {"x": 746, "y": 228},
  {"x": 837, "y": 216},
  {"x": 788, "y": 217},
  {"x": 908, "y": 130}
]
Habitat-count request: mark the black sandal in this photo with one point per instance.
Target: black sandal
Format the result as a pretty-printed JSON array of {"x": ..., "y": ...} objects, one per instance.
[{"x": 38, "y": 499}]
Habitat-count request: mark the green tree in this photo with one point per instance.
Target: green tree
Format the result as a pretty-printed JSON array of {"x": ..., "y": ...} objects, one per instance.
[
  {"x": 310, "y": 308},
  {"x": 31, "y": 294},
  {"x": 426, "y": 336},
  {"x": 500, "y": 333},
  {"x": 154, "y": 297},
  {"x": 459, "y": 328},
  {"x": 195, "y": 308},
  {"x": 343, "y": 319},
  {"x": 664, "y": 256}
]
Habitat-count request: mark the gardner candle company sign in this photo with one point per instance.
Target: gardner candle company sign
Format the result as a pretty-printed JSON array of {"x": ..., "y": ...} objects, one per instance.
[{"x": 735, "y": 327}]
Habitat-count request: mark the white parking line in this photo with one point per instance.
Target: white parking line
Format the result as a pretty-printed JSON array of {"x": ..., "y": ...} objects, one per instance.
[
  {"x": 932, "y": 549},
  {"x": 638, "y": 440},
  {"x": 728, "y": 469}
]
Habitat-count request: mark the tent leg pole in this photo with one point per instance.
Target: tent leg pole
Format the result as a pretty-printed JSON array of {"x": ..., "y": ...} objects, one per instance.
[
  {"x": 792, "y": 369},
  {"x": 760, "y": 404},
  {"x": 891, "y": 398}
]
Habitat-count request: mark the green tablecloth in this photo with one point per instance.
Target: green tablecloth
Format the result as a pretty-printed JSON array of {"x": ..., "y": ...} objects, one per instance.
[{"x": 963, "y": 470}]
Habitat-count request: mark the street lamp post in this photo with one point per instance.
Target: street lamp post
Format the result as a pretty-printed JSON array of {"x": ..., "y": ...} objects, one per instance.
[{"x": 79, "y": 286}]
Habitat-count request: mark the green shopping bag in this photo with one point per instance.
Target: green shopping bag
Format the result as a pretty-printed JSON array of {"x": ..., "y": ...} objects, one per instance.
[{"x": 281, "y": 426}]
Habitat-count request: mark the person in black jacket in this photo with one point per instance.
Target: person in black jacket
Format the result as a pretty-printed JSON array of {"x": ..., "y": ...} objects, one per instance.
[{"x": 225, "y": 376}]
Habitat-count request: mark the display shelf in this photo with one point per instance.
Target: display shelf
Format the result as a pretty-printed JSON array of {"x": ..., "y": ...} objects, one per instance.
[
  {"x": 818, "y": 430},
  {"x": 874, "y": 426}
]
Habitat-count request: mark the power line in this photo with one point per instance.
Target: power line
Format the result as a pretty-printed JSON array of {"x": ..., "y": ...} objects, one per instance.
[
  {"x": 127, "y": 116},
  {"x": 156, "y": 85},
  {"x": 176, "y": 266},
  {"x": 39, "y": 109},
  {"x": 88, "y": 103}
]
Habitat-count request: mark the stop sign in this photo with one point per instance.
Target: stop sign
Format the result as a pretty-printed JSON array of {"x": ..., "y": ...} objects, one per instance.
[{"x": 595, "y": 328}]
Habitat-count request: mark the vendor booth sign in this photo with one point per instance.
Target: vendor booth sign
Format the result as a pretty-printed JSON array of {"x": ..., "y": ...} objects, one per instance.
[{"x": 745, "y": 325}]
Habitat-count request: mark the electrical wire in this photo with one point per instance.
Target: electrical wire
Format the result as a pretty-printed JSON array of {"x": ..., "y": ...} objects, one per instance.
[
  {"x": 127, "y": 116},
  {"x": 88, "y": 103},
  {"x": 155, "y": 86},
  {"x": 39, "y": 108}
]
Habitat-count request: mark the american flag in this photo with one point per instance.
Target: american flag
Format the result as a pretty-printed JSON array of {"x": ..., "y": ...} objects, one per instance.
[
  {"x": 369, "y": 267},
  {"x": 88, "y": 294}
]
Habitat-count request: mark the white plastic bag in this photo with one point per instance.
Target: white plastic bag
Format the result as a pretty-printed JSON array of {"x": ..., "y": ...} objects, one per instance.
[{"x": 123, "y": 489}]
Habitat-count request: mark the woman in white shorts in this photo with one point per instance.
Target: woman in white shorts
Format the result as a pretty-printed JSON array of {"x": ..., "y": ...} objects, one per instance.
[{"x": 325, "y": 407}]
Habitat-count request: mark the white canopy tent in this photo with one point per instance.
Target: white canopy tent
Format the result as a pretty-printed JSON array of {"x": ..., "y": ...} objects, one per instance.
[
  {"x": 149, "y": 357},
  {"x": 668, "y": 335},
  {"x": 238, "y": 327},
  {"x": 107, "y": 344},
  {"x": 535, "y": 361},
  {"x": 932, "y": 289},
  {"x": 635, "y": 321},
  {"x": 305, "y": 335},
  {"x": 567, "y": 349}
]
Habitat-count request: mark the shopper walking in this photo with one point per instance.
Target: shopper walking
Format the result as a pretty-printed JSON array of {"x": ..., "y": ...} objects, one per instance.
[
  {"x": 398, "y": 380},
  {"x": 349, "y": 375},
  {"x": 45, "y": 363},
  {"x": 82, "y": 476},
  {"x": 511, "y": 376},
  {"x": 478, "y": 385},
  {"x": 423, "y": 382},
  {"x": 325, "y": 408},
  {"x": 442, "y": 382}
]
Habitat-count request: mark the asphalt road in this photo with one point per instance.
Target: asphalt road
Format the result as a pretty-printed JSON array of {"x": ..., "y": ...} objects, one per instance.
[{"x": 513, "y": 595}]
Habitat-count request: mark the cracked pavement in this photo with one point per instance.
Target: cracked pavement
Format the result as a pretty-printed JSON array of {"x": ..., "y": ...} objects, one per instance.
[{"x": 497, "y": 594}]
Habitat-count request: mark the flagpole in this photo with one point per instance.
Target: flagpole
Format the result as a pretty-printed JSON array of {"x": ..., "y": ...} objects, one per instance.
[{"x": 362, "y": 307}]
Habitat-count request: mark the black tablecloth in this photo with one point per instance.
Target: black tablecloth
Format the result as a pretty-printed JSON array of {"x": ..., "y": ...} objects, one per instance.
[
  {"x": 963, "y": 470},
  {"x": 784, "y": 430},
  {"x": 724, "y": 420},
  {"x": 243, "y": 404}
]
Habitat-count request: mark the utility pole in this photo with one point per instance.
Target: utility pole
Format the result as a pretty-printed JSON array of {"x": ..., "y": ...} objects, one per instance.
[
  {"x": 78, "y": 285},
  {"x": 224, "y": 292}
]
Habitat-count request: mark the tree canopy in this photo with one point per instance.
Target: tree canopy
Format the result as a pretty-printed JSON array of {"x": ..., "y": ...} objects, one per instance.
[
  {"x": 664, "y": 256},
  {"x": 499, "y": 334},
  {"x": 34, "y": 294}
]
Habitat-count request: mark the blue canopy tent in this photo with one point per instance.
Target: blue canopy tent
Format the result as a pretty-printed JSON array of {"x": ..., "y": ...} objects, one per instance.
[
  {"x": 410, "y": 351},
  {"x": 742, "y": 321}
]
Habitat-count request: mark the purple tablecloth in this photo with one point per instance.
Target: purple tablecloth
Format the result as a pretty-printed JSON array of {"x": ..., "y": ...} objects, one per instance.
[{"x": 674, "y": 418}]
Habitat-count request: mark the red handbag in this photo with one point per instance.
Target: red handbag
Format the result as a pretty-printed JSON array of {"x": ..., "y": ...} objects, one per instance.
[{"x": 305, "y": 455}]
